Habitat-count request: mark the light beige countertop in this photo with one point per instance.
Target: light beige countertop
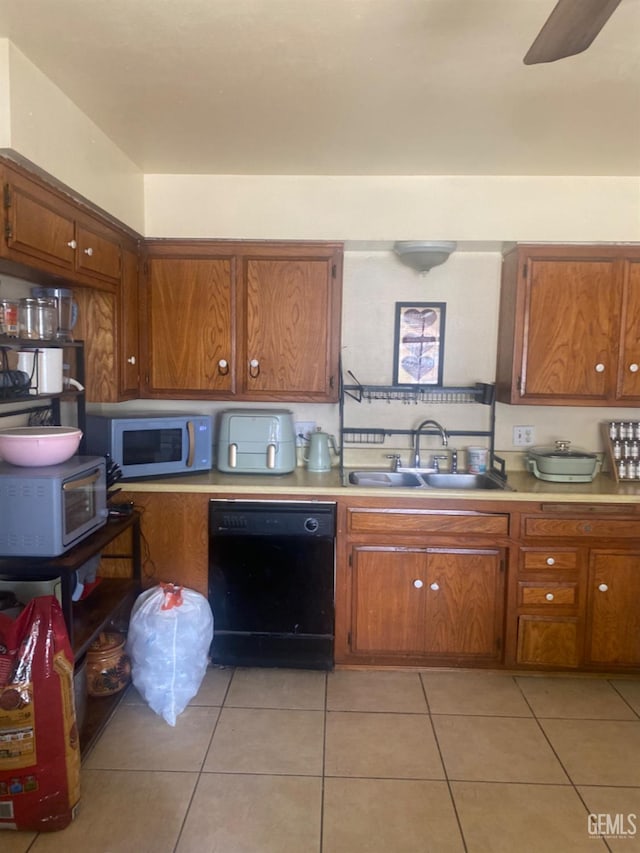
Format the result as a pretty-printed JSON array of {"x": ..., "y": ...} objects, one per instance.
[{"x": 306, "y": 485}]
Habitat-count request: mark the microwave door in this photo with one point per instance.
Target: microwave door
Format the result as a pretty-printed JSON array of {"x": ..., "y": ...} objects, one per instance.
[
  {"x": 152, "y": 448},
  {"x": 79, "y": 502},
  {"x": 83, "y": 504}
]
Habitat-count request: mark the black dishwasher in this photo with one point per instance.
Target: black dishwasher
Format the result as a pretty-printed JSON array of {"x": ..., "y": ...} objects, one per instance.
[{"x": 271, "y": 583}]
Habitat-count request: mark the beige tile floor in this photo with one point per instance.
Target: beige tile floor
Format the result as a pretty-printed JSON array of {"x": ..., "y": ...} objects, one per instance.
[{"x": 286, "y": 761}]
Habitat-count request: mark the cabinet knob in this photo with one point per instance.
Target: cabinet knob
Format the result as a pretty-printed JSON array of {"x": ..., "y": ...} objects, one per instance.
[
  {"x": 551, "y": 561},
  {"x": 131, "y": 359},
  {"x": 223, "y": 367},
  {"x": 254, "y": 368},
  {"x": 418, "y": 583},
  {"x": 599, "y": 367},
  {"x": 88, "y": 251},
  {"x": 72, "y": 244},
  {"x": 633, "y": 368},
  {"x": 549, "y": 596},
  {"x": 434, "y": 586},
  {"x": 603, "y": 587}
]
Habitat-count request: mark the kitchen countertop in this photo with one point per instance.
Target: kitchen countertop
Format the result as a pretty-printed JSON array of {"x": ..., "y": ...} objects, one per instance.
[{"x": 303, "y": 483}]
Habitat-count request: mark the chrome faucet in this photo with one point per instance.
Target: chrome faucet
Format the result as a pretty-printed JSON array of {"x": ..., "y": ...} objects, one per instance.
[{"x": 418, "y": 432}]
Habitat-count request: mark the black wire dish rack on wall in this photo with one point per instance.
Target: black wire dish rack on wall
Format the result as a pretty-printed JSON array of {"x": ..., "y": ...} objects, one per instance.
[{"x": 482, "y": 393}]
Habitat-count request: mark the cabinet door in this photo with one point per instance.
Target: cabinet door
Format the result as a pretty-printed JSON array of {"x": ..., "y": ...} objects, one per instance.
[
  {"x": 290, "y": 330},
  {"x": 40, "y": 229},
  {"x": 187, "y": 331},
  {"x": 96, "y": 326},
  {"x": 629, "y": 368},
  {"x": 98, "y": 252},
  {"x": 613, "y": 629},
  {"x": 464, "y": 603},
  {"x": 128, "y": 329},
  {"x": 571, "y": 330},
  {"x": 548, "y": 640},
  {"x": 388, "y": 599}
]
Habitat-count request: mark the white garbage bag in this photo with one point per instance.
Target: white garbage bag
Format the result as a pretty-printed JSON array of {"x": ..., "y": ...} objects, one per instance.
[{"x": 169, "y": 639}]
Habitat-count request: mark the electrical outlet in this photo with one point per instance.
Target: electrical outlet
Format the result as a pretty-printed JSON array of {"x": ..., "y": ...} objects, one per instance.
[
  {"x": 303, "y": 430},
  {"x": 523, "y": 436}
]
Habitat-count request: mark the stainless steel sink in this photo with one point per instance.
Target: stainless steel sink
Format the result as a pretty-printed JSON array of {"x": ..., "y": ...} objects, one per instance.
[
  {"x": 445, "y": 480},
  {"x": 386, "y": 479}
]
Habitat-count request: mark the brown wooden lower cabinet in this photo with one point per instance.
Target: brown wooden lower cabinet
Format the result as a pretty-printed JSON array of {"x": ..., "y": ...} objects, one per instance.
[
  {"x": 175, "y": 537},
  {"x": 576, "y": 599},
  {"x": 613, "y": 611},
  {"x": 427, "y": 602},
  {"x": 415, "y": 589}
]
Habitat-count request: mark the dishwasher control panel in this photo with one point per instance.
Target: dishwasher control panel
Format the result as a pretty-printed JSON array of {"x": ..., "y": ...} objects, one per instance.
[{"x": 272, "y": 518}]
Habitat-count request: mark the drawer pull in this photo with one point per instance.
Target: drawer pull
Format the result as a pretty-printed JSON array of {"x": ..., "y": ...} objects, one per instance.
[
  {"x": 599, "y": 367},
  {"x": 633, "y": 367},
  {"x": 72, "y": 244},
  {"x": 551, "y": 561},
  {"x": 434, "y": 586},
  {"x": 418, "y": 583},
  {"x": 549, "y": 596},
  {"x": 603, "y": 587}
]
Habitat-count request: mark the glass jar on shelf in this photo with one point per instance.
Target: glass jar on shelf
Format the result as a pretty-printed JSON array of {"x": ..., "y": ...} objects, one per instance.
[{"x": 46, "y": 317}]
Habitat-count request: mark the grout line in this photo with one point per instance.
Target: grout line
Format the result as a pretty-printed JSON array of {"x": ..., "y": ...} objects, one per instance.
[
  {"x": 623, "y": 697},
  {"x": 544, "y": 734},
  {"x": 324, "y": 758},
  {"x": 202, "y": 763},
  {"x": 444, "y": 766}
]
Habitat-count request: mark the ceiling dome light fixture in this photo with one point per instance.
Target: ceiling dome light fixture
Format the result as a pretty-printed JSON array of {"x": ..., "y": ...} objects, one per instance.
[{"x": 423, "y": 255}]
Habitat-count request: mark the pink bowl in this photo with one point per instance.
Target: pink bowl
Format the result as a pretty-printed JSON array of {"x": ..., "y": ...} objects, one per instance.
[{"x": 30, "y": 447}]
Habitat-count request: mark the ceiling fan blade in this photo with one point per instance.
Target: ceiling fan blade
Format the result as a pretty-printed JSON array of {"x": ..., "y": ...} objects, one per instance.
[{"x": 570, "y": 29}]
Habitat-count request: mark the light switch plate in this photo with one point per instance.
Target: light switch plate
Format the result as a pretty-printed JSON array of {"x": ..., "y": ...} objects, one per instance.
[{"x": 523, "y": 436}]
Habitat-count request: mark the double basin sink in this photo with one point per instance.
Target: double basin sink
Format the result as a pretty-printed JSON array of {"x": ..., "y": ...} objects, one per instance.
[{"x": 420, "y": 479}]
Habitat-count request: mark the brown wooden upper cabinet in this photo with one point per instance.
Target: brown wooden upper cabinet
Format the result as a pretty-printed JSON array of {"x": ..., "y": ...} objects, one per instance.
[
  {"x": 569, "y": 329},
  {"x": 243, "y": 321},
  {"x": 45, "y": 230}
]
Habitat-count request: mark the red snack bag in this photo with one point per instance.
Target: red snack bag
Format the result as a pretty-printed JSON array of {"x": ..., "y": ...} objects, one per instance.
[{"x": 39, "y": 743}]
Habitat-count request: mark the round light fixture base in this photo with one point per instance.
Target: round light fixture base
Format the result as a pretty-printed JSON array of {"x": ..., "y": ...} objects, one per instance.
[{"x": 423, "y": 255}]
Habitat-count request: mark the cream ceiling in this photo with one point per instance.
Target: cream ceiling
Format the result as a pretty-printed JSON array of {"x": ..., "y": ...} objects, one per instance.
[{"x": 342, "y": 87}]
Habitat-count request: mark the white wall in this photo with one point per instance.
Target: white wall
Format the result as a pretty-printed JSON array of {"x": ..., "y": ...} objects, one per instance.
[
  {"x": 464, "y": 208},
  {"x": 39, "y": 122},
  {"x": 5, "y": 99}
]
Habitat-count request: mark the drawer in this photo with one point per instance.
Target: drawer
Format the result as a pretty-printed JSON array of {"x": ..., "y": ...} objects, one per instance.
[
  {"x": 546, "y": 594},
  {"x": 548, "y": 641},
  {"x": 397, "y": 522},
  {"x": 548, "y": 560},
  {"x": 596, "y": 528}
]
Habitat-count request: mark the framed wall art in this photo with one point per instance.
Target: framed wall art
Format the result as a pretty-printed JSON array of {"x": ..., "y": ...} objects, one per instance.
[{"x": 419, "y": 343}]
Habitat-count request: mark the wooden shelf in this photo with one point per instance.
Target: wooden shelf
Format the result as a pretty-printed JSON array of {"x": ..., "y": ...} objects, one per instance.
[
  {"x": 107, "y": 606},
  {"x": 98, "y": 713}
]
